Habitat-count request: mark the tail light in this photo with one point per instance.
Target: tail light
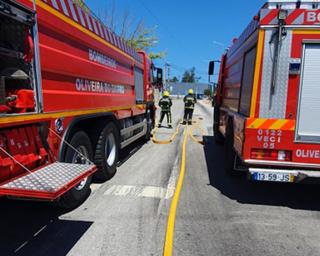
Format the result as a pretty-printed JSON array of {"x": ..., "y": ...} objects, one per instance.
[{"x": 271, "y": 155}]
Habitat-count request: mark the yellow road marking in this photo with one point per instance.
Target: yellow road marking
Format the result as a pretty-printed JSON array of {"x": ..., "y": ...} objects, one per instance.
[
  {"x": 168, "y": 246},
  {"x": 169, "y": 239}
]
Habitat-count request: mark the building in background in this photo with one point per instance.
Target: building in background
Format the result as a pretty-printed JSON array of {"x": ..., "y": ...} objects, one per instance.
[{"x": 181, "y": 89}]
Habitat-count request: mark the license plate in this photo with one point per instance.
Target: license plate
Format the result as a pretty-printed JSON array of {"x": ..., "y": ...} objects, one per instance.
[{"x": 273, "y": 176}]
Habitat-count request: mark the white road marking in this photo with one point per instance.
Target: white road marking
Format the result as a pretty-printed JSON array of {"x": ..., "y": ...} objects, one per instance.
[
  {"x": 40, "y": 230},
  {"x": 139, "y": 191},
  {"x": 21, "y": 246},
  {"x": 95, "y": 187},
  {"x": 172, "y": 180},
  {"x": 153, "y": 192},
  {"x": 147, "y": 191}
]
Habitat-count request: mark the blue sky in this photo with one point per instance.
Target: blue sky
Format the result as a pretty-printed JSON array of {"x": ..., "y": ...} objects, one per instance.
[{"x": 191, "y": 32}]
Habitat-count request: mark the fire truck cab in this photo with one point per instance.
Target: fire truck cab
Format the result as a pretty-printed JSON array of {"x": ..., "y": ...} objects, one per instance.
[{"x": 267, "y": 108}]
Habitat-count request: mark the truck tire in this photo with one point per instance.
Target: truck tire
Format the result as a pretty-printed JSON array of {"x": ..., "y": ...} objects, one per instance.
[
  {"x": 218, "y": 137},
  {"x": 149, "y": 126},
  {"x": 229, "y": 153},
  {"x": 79, "y": 193},
  {"x": 107, "y": 153}
]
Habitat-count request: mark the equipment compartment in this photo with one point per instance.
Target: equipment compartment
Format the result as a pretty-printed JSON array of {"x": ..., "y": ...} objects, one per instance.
[{"x": 17, "y": 87}]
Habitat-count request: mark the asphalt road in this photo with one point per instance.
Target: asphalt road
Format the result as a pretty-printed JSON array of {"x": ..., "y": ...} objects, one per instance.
[{"x": 216, "y": 215}]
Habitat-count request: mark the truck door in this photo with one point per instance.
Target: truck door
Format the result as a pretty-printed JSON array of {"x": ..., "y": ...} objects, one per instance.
[
  {"x": 308, "y": 118},
  {"x": 247, "y": 81}
]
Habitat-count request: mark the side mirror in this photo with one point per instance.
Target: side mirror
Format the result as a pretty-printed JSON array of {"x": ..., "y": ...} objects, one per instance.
[
  {"x": 159, "y": 78},
  {"x": 211, "y": 68}
]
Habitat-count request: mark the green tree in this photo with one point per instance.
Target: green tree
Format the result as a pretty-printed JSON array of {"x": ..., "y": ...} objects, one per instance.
[
  {"x": 133, "y": 31},
  {"x": 207, "y": 92},
  {"x": 174, "y": 80},
  {"x": 189, "y": 76}
]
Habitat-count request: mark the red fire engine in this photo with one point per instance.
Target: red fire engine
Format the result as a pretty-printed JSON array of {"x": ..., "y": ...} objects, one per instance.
[
  {"x": 267, "y": 102},
  {"x": 72, "y": 94}
]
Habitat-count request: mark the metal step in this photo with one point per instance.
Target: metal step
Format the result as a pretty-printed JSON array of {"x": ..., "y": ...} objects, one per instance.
[{"x": 48, "y": 183}]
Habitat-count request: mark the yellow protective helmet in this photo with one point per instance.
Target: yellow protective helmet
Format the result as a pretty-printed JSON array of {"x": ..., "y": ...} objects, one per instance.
[
  {"x": 190, "y": 91},
  {"x": 166, "y": 94}
]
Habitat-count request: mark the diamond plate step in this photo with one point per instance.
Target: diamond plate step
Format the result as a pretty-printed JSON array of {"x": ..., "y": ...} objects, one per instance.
[{"x": 49, "y": 182}]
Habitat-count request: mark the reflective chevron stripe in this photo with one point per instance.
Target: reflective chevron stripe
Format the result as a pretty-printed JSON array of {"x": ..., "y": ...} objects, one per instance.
[
  {"x": 64, "y": 7},
  {"x": 101, "y": 30},
  {"x": 82, "y": 15},
  {"x": 295, "y": 16},
  {"x": 73, "y": 12},
  {"x": 83, "y": 23},
  {"x": 271, "y": 124},
  {"x": 95, "y": 27}
]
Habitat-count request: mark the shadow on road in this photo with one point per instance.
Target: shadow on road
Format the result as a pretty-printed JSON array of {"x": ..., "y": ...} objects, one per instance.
[
  {"x": 295, "y": 196},
  {"x": 29, "y": 228},
  {"x": 129, "y": 151},
  {"x": 34, "y": 228}
]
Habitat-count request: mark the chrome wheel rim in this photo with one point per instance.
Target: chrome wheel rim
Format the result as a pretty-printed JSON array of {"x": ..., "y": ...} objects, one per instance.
[
  {"x": 81, "y": 185},
  {"x": 81, "y": 159},
  {"x": 110, "y": 149}
]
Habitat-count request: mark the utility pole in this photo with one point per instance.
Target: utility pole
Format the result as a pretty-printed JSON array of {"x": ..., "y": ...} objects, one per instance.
[
  {"x": 166, "y": 75},
  {"x": 169, "y": 87}
]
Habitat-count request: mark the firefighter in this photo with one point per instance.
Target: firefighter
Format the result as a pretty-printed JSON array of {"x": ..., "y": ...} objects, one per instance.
[
  {"x": 189, "y": 102},
  {"x": 165, "y": 104}
]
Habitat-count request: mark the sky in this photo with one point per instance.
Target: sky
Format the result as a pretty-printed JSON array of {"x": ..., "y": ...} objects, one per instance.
[{"x": 191, "y": 32}]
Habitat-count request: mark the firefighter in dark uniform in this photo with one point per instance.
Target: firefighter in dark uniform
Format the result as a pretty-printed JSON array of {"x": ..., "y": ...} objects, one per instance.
[
  {"x": 189, "y": 103},
  {"x": 165, "y": 104}
]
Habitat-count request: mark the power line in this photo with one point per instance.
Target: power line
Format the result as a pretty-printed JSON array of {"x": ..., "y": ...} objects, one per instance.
[
  {"x": 174, "y": 37},
  {"x": 160, "y": 23},
  {"x": 180, "y": 68}
]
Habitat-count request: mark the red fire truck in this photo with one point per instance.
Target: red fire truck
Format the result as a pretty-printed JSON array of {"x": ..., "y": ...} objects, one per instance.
[
  {"x": 72, "y": 94},
  {"x": 267, "y": 108}
]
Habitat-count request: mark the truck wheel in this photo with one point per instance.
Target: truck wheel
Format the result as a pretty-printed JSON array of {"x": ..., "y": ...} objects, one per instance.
[
  {"x": 149, "y": 126},
  {"x": 218, "y": 137},
  {"x": 76, "y": 196},
  {"x": 229, "y": 153},
  {"x": 107, "y": 152}
]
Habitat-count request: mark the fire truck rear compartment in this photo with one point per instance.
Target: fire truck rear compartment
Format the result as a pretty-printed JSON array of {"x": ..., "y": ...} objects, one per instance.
[
  {"x": 16, "y": 67},
  {"x": 27, "y": 171},
  {"x": 47, "y": 183},
  {"x": 21, "y": 149}
]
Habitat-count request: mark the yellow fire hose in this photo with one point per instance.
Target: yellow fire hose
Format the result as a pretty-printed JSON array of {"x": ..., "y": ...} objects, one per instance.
[
  {"x": 195, "y": 126},
  {"x": 169, "y": 238},
  {"x": 171, "y": 139},
  {"x": 202, "y": 131}
]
